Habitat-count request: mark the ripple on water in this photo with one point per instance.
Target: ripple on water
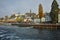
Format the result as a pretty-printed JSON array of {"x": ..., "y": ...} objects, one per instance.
[{"x": 26, "y": 33}]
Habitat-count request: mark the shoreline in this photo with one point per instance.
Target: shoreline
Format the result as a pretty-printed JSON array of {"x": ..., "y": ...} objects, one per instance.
[{"x": 37, "y": 26}]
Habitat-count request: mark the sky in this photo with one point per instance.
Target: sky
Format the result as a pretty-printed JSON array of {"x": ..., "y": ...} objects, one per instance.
[{"x": 8, "y": 7}]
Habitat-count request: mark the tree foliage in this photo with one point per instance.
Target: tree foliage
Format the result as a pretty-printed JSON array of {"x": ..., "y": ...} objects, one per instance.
[
  {"x": 40, "y": 11},
  {"x": 19, "y": 19},
  {"x": 54, "y": 11}
]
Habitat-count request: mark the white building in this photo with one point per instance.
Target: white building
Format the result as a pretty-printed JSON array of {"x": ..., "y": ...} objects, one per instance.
[
  {"x": 43, "y": 19},
  {"x": 59, "y": 17},
  {"x": 36, "y": 20},
  {"x": 27, "y": 19}
]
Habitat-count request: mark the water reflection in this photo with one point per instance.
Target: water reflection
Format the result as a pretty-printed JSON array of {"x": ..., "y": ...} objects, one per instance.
[{"x": 23, "y": 33}]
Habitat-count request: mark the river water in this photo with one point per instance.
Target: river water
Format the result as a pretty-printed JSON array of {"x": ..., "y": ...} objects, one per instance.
[{"x": 27, "y": 33}]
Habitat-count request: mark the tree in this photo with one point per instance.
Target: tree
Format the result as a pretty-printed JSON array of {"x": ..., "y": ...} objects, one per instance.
[
  {"x": 19, "y": 19},
  {"x": 40, "y": 12},
  {"x": 54, "y": 11},
  {"x": 13, "y": 16}
]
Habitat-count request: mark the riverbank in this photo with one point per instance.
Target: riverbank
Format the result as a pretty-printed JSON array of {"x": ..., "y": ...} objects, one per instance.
[
  {"x": 39, "y": 26},
  {"x": 34, "y": 25}
]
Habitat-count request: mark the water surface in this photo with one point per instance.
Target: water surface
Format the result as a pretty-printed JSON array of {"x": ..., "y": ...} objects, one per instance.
[{"x": 26, "y": 33}]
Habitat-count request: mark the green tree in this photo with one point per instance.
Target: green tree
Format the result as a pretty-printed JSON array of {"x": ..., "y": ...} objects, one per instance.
[{"x": 54, "y": 11}]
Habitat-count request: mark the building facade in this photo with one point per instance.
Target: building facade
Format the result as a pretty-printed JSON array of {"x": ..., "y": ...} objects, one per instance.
[
  {"x": 59, "y": 16},
  {"x": 47, "y": 18}
]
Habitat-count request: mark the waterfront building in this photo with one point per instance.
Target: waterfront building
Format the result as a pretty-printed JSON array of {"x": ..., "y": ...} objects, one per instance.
[
  {"x": 47, "y": 18},
  {"x": 12, "y": 18},
  {"x": 43, "y": 19},
  {"x": 37, "y": 20},
  {"x": 59, "y": 16},
  {"x": 11, "y": 21},
  {"x": 30, "y": 14},
  {"x": 28, "y": 19}
]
